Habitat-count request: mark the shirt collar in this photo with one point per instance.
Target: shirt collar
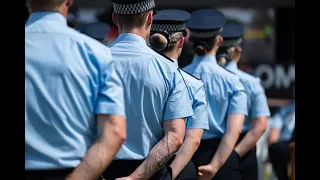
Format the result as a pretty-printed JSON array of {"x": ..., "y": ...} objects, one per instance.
[
  {"x": 232, "y": 66},
  {"x": 175, "y": 62},
  {"x": 47, "y": 16},
  {"x": 208, "y": 58},
  {"x": 131, "y": 38}
]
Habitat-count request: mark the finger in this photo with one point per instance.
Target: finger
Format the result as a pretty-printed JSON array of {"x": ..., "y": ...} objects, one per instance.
[{"x": 201, "y": 168}]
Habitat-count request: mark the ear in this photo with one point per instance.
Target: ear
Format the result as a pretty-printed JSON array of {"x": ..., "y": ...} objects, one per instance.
[
  {"x": 219, "y": 40},
  {"x": 114, "y": 19},
  {"x": 149, "y": 18},
  {"x": 69, "y": 2},
  {"x": 181, "y": 42},
  {"x": 238, "y": 51}
]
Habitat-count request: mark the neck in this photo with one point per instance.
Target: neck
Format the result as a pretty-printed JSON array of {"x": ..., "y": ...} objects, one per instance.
[
  {"x": 235, "y": 61},
  {"x": 139, "y": 32},
  {"x": 213, "y": 52}
]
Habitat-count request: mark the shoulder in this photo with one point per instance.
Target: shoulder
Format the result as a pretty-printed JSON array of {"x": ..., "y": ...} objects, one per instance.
[
  {"x": 71, "y": 39},
  {"x": 93, "y": 46},
  {"x": 192, "y": 80},
  {"x": 226, "y": 74},
  {"x": 161, "y": 55}
]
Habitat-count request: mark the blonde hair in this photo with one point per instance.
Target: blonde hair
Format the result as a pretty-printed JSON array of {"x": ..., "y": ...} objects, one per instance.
[{"x": 160, "y": 42}]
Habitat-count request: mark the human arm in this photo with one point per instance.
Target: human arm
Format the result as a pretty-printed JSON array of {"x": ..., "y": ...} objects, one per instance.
[
  {"x": 195, "y": 126},
  {"x": 259, "y": 112},
  {"x": 110, "y": 113},
  {"x": 102, "y": 151},
  {"x": 237, "y": 109}
]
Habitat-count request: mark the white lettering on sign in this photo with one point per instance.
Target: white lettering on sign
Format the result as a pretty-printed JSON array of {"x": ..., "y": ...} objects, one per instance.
[{"x": 276, "y": 76}]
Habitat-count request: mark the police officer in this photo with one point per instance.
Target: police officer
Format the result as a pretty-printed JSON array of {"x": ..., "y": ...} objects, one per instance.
[
  {"x": 97, "y": 30},
  {"x": 258, "y": 111},
  {"x": 281, "y": 133},
  {"x": 72, "y": 89},
  {"x": 226, "y": 98},
  {"x": 167, "y": 35},
  {"x": 157, "y": 100}
]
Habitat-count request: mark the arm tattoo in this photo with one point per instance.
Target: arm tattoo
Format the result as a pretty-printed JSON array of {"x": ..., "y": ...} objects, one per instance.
[{"x": 157, "y": 158}]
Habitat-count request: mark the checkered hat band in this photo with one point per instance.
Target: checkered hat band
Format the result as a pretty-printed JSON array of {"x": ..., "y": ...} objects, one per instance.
[
  {"x": 134, "y": 8},
  {"x": 231, "y": 42},
  {"x": 204, "y": 35},
  {"x": 168, "y": 27}
]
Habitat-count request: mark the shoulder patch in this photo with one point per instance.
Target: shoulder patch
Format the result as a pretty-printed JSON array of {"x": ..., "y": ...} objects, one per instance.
[
  {"x": 160, "y": 53},
  {"x": 190, "y": 74}
]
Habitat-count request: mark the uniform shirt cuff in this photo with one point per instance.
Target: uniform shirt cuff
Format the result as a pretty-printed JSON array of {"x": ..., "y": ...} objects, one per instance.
[{"x": 109, "y": 108}]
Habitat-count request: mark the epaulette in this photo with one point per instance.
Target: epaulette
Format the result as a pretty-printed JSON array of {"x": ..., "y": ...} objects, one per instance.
[
  {"x": 162, "y": 54},
  {"x": 190, "y": 75}
]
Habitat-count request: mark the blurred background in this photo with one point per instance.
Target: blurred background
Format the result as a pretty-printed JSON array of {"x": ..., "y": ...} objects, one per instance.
[{"x": 268, "y": 50}]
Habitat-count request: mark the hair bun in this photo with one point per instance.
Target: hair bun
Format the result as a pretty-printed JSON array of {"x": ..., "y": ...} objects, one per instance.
[
  {"x": 200, "y": 50},
  {"x": 158, "y": 41}
]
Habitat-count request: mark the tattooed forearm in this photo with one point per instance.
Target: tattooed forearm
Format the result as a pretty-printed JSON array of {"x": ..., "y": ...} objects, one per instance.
[{"x": 160, "y": 154}]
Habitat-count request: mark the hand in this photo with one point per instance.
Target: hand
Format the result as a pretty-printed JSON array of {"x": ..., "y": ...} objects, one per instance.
[
  {"x": 206, "y": 172},
  {"x": 125, "y": 178}
]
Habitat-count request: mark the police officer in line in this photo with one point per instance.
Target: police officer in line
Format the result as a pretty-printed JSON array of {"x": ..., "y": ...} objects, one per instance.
[
  {"x": 167, "y": 36},
  {"x": 255, "y": 122},
  {"x": 156, "y": 97},
  {"x": 282, "y": 127},
  {"x": 97, "y": 30},
  {"x": 226, "y": 95},
  {"x": 73, "y": 90}
]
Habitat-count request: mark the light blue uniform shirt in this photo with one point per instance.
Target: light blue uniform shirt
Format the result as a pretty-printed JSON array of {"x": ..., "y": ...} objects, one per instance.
[
  {"x": 257, "y": 100},
  {"x": 225, "y": 92},
  {"x": 284, "y": 120},
  {"x": 154, "y": 91},
  {"x": 198, "y": 97},
  {"x": 69, "y": 78}
]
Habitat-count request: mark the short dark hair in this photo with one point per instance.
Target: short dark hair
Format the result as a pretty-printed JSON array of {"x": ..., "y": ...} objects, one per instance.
[
  {"x": 133, "y": 21},
  {"x": 44, "y": 4}
]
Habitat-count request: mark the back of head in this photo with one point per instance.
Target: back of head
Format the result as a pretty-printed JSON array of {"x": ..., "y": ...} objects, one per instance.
[
  {"x": 232, "y": 39},
  {"x": 168, "y": 28},
  {"x": 132, "y": 13},
  {"x": 37, "y": 5},
  {"x": 205, "y": 25}
]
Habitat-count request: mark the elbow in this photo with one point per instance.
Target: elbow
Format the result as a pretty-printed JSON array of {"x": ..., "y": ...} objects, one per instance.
[
  {"x": 195, "y": 139},
  {"x": 236, "y": 130},
  {"x": 176, "y": 141},
  {"x": 261, "y": 124},
  {"x": 120, "y": 134},
  {"x": 196, "y": 142}
]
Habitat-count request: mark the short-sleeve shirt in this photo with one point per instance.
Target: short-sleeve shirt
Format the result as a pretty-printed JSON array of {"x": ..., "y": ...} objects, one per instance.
[
  {"x": 257, "y": 100},
  {"x": 69, "y": 78},
  {"x": 225, "y": 93},
  {"x": 154, "y": 92},
  {"x": 198, "y": 97},
  {"x": 284, "y": 120}
]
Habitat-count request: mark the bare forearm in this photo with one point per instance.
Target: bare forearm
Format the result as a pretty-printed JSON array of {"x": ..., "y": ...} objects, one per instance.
[
  {"x": 225, "y": 148},
  {"x": 96, "y": 160},
  {"x": 184, "y": 155},
  {"x": 249, "y": 140},
  {"x": 101, "y": 153},
  {"x": 157, "y": 158}
]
